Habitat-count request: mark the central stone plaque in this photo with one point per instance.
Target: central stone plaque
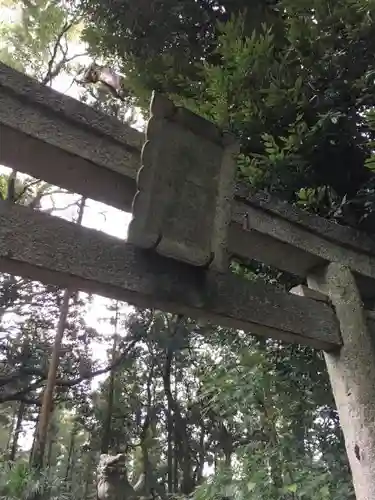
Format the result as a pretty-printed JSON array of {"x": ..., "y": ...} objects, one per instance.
[{"x": 185, "y": 187}]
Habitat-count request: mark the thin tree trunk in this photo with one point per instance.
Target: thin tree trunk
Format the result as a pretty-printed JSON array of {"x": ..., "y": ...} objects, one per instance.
[
  {"x": 47, "y": 403},
  {"x": 45, "y": 412},
  {"x": 17, "y": 431},
  {"x": 176, "y": 479},
  {"x": 11, "y": 429},
  {"x": 18, "y": 415},
  {"x": 69, "y": 465},
  {"x": 32, "y": 449},
  {"x": 11, "y": 188},
  {"x": 181, "y": 432},
  {"x": 201, "y": 455},
  {"x": 106, "y": 437},
  {"x": 52, "y": 433},
  {"x": 88, "y": 478},
  {"x": 149, "y": 485},
  {"x": 275, "y": 463},
  {"x": 88, "y": 471},
  {"x": 226, "y": 443},
  {"x": 170, "y": 450}
]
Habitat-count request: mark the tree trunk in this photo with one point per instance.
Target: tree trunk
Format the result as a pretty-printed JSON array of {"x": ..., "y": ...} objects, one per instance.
[
  {"x": 201, "y": 455},
  {"x": 88, "y": 471},
  {"x": 70, "y": 452},
  {"x": 170, "y": 451},
  {"x": 226, "y": 444},
  {"x": 88, "y": 479},
  {"x": 180, "y": 427},
  {"x": 32, "y": 449},
  {"x": 11, "y": 430},
  {"x": 52, "y": 433},
  {"x": 11, "y": 188},
  {"x": 106, "y": 438},
  {"x": 17, "y": 431},
  {"x": 45, "y": 412}
]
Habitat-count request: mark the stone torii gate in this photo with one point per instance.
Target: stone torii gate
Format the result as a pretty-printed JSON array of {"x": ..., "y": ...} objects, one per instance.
[{"x": 189, "y": 219}]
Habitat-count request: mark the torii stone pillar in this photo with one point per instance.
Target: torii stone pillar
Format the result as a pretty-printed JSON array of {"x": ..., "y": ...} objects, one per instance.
[{"x": 352, "y": 373}]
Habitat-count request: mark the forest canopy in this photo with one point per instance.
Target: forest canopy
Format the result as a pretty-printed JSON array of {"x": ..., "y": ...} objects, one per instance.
[{"x": 293, "y": 79}]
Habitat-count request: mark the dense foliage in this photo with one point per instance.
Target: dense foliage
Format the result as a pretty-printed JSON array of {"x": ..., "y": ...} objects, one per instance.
[{"x": 293, "y": 79}]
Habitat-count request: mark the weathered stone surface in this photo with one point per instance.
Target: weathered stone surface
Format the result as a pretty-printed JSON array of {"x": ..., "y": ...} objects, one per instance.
[
  {"x": 57, "y": 130},
  {"x": 304, "y": 291},
  {"x": 325, "y": 241},
  {"x": 42, "y": 247},
  {"x": 32, "y": 93},
  {"x": 60, "y": 168},
  {"x": 185, "y": 187},
  {"x": 247, "y": 243},
  {"x": 352, "y": 374},
  {"x": 346, "y": 236},
  {"x": 65, "y": 142}
]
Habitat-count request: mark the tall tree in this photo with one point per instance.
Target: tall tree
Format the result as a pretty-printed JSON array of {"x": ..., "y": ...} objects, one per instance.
[
  {"x": 46, "y": 409},
  {"x": 106, "y": 435}
]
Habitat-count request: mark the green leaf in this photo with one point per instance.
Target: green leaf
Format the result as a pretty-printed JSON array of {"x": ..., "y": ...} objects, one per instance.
[
  {"x": 251, "y": 486},
  {"x": 292, "y": 488}
]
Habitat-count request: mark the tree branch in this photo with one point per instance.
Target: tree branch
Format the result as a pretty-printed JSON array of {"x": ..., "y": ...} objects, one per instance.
[
  {"x": 59, "y": 382},
  {"x": 52, "y": 73},
  {"x": 21, "y": 394}
]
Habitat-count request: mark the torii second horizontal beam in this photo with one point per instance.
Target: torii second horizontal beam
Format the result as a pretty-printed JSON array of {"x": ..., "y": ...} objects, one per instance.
[{"x": 45, "y": 248}]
